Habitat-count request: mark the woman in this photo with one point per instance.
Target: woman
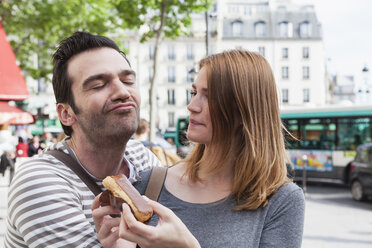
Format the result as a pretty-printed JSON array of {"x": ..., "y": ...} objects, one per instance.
[{"x": 232, "y": 190}]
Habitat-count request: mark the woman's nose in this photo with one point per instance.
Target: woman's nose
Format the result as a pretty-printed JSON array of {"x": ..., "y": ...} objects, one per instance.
[{"x": 194, "y": 105}]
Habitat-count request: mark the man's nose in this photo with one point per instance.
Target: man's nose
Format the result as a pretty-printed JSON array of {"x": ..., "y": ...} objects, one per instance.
[{"x": 120, "y": 90}]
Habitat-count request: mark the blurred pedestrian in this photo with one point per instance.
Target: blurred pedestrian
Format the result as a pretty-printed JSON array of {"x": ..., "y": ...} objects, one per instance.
[
  {"x": 7, "y": 161},
  {"x": 47, "y": 140},
  {"x": 21, "y": 148},
  {"x": 161, "y": 148},
  {"x": 34, "y": 146}
]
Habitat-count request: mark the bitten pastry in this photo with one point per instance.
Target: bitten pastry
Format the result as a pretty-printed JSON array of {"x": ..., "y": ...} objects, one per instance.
[{"x": 120, "y": 190}]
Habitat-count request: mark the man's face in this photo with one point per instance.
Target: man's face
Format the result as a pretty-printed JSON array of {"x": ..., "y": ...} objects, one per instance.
[{"x": 106, "y": 95}]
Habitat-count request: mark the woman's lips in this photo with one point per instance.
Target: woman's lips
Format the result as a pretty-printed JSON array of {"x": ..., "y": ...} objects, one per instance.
[{"x": 195, "y": 123}]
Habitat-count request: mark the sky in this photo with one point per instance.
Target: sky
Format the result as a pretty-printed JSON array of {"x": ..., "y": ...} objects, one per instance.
[{"x": 347, "y": 35}]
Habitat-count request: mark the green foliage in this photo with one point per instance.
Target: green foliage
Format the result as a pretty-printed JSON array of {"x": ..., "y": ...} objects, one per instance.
[
  {"x": 147, "y": 14},
  {"x": 34, "y": 27}
]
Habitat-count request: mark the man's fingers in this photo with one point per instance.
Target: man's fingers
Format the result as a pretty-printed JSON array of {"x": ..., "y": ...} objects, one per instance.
[
  {"x": 99, "y": 213},
  {"x": 108, "y": 226},
  {"x": 96, "y": 203}
]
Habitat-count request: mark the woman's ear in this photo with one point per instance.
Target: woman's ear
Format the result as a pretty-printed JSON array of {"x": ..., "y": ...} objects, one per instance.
[{"x": 66, "y": 114}]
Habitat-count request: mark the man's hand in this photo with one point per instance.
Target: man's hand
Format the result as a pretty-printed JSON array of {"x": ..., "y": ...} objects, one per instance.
[{"x": 107, "y": 228}]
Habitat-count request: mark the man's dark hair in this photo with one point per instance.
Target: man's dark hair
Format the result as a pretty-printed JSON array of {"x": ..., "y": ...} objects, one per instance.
[{"x": 77, "y": 43}]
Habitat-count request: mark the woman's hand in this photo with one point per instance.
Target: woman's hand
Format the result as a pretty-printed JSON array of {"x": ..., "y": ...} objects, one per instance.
[
  {"x": 107, "y": 228},
  {"x": 169, "y": 231}
]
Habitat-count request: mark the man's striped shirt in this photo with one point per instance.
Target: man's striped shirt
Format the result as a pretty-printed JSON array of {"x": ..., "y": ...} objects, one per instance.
[{"x": 49, "y": 205}]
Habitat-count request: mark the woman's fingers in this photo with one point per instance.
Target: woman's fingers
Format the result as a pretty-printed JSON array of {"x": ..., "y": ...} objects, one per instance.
[
  {"x": 133, "y": 227},
  {"x": 163, "y": 212}
]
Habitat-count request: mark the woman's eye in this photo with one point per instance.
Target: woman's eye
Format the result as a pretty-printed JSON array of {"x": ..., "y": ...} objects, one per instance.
[{"x": 193, "y": 93}]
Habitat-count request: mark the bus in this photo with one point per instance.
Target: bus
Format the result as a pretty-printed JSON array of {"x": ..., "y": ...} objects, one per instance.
[{"x": 327, "y": 136}]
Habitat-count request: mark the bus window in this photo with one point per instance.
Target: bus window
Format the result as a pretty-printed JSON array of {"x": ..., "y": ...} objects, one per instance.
[
  {"x": 292, "y": 138},
  {"x": 353, "y": 132},
  {"x": 318, "y": 134}
]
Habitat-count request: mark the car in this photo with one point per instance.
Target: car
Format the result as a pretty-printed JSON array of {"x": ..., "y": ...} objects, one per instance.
[{"x": 361, "y": 173}]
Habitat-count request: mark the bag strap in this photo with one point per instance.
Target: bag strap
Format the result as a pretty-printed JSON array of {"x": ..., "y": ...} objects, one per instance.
[
  {"x": 156, "y": 182},
  {"x": 76, "y": 167}
]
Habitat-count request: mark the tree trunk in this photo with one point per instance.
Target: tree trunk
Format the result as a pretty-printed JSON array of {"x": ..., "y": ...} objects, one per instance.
[{"x": 152, "y": 91}]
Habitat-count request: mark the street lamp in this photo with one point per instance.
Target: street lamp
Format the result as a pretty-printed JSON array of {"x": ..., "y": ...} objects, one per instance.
[{"x": 305, "y": 161}]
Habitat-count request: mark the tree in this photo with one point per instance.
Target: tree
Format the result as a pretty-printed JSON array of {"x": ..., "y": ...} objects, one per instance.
[
  {"x": 35, "y": 27},
  {"x": 160, "y": 19}
]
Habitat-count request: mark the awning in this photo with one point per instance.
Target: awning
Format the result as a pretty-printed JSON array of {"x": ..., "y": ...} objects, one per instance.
[
  {"x": 12, "y": 82},
  {"x": 14, "y": 116}
]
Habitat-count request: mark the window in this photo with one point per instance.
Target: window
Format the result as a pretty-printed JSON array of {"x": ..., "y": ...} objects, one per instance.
[
  {"x": 313, "y": 134},
  {"x": 260, "y": 29},
  {"x": 247, "y": 10},
  {"x": 171, "y": 74},
  {"x": 305, "y": 72},
  {"x": 261, "y": 50},
  {"x": 171, "y": 98},
  {"x": 190, "y": 71},
  {"x": 188, "y": 96},
  {"x": 305, "y": 29},
  {"x": 353, "y": 132},
  {"x": 282, "y": 8},
  {"x": 306, "y": 93},
  {"x": 151, "y": 52},
  {"x": 285, "y": 29},
  {"x": 233, "y": 9},
  {"x": 285, "y": 72},
  {"x": 151, "y": 73},
  {"x": 190, "y": 52},
  {"x": 285, "y": 95},
  {"x": 237, "y": 28},
  {"x": 284, "y": 53},
  {"x": 170, "y": 119},
  {"x": 171, "y": 55},
  {"x": 305, "y": 53}
]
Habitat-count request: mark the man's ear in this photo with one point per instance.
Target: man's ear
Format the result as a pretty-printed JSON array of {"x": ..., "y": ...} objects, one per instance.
[{"x": 66, "y": 114}]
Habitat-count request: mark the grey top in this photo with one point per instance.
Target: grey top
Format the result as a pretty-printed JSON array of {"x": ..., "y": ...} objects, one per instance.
[{"x": 279, "y": 224}]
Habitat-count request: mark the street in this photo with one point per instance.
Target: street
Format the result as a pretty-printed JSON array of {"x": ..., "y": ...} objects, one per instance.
[{"x": 333, "y": 219}]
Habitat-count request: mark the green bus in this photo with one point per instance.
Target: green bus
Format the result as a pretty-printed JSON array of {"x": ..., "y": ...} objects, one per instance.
[
  {"x": 323, "y": 139},
  {"x": 328, "y": 137}
]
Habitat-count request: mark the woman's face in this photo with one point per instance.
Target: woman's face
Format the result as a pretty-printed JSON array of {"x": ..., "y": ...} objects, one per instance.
[{"x": 200, "y": 126}]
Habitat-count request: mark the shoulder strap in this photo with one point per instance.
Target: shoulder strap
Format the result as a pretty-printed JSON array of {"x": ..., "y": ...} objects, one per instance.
[
  {"x": 75, "y": 167},
  {"x": 156, "y": 182}
]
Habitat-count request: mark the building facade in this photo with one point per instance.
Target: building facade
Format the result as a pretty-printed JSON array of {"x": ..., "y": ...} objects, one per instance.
[{"x": 288, "y": 35}]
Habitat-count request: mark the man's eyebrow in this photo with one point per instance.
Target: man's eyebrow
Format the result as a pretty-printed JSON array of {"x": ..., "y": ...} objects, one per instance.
[
  {"x": 127, "y": 73},
  {"x": 94, "y": 77},
  {"x": 105, "y": 76}
]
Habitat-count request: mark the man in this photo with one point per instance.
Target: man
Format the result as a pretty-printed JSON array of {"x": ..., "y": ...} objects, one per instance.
[{"x": 98, "y": 105}]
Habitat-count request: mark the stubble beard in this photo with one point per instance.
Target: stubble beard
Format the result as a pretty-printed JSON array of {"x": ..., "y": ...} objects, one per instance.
[{"x": 102, "y": 132}]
